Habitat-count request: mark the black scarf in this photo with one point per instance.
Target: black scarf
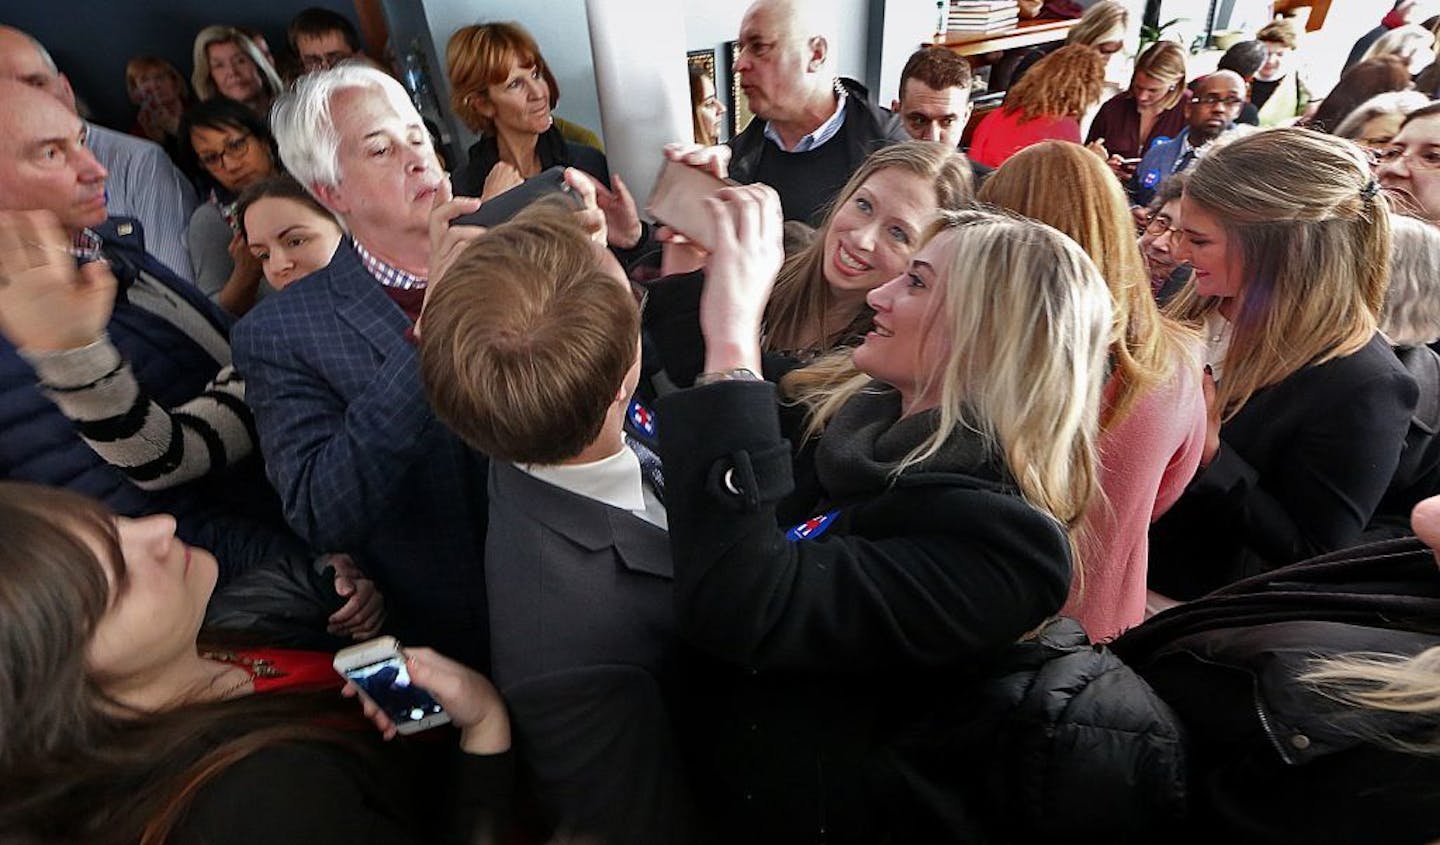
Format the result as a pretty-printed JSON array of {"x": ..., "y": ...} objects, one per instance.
[{"x": 867, "y": 438}]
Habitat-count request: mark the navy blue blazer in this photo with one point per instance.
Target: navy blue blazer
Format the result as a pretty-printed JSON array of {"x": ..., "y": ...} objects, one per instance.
[{"x": 360, "y": 461}]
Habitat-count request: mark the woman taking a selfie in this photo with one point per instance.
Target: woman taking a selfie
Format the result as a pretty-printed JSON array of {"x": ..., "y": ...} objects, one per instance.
[
  {"x": 1289, "y": 237},
  {"x": 955, "y": 448},
  {"x": 134, "y": 734}
]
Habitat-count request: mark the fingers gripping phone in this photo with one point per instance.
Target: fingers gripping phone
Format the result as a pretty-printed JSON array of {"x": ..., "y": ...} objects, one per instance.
[
  {"x": 377, "y": 668},
  {"x": 679, "y": 197},
  {"x": 502, "y": 207}
]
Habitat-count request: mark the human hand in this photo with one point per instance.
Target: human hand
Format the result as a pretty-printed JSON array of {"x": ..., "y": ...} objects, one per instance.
[
  {"x": 1425, "y": 519},
  {"x": 713, "y": 160},
  {"x": 47, "y": 304},
  {"x": 622, "y": 218},
  {"x": 678, "y": 254},
  {"x": 446, "y": 241},
  {"x": 472, "y": 702},
  {"x": 1097, "y": 147},
  {"x": 1212, "y": 418},
  {"x": 591, "y": 218},
  {"x": 747, "y": 255},
  {"x": 363, "y": 613},
  {"x": 503, "y": 176},
  {"x": 247, "y": 267}
]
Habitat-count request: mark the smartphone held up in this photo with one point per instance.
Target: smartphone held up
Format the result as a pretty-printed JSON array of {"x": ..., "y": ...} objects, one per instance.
[{"x": 377, "y": 668}]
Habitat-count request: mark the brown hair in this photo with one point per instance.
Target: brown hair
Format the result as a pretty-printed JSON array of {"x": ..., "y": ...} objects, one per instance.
[
  {"x": 938, "y": 68},
  {"x": 697, "y": 98},
  {"x": 480, "y": 55},
  {"x": 141, "y": 64},
  {"x": 1165, "y": 61},
  {"x": 1280, "y": 31},
  {"x": 279, "y": 187},
  {"x": 526, "y": 340},
  {"x": 1063, "y": 84},
  {"x": 1312, "y": 237},
  {"x": 798, "y": 304},
  {"x": 79, "y": 766},
  {"x": 1068, "y": 187},
  {"x": 1361, "y": 82}
]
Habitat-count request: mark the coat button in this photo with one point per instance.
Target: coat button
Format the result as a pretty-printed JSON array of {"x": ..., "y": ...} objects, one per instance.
[{"x": 1300, "y": 741}]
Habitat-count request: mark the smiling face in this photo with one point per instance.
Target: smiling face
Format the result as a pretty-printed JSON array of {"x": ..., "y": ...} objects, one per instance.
[
  {"x": 388, "y": 170},
  {"x": 872, "y": 235},
  {"x": 520, "y": 103},
  {"x": 44, "y": 163},
  {"x": 931, "y": 115},
  {"x": 1414, "y": 175},
  {"x": 1206, "y": 247},
  {"x": 153, "y": 618},
  {"x": 233, "y": 72},
  {"x": 232, "y": 155},
  {"x": 904, "y": 350},
  {"x": 291, "y": 239}
]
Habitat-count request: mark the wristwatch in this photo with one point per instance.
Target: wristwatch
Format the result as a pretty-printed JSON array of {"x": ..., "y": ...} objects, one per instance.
[{"x": 737, "y": 374}]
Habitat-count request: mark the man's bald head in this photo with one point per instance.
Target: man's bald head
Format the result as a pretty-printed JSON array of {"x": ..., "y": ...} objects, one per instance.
[
  {"x": 25, "y": 60},
  {"x": 44, "y": 164},
  {"x": 1215, "y": 104},
  {"x": 786, "y": 65}
]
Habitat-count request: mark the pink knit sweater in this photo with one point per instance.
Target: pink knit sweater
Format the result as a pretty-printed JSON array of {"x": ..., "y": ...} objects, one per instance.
[{"x": 1146, "y": 461}]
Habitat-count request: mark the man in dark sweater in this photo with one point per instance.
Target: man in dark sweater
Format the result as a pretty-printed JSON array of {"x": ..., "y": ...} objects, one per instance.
[{"x": 812, "y": 129}]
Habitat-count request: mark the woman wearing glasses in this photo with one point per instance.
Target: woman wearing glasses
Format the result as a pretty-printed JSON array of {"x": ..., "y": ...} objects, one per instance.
[
  {"x": 1289, "y": 238},
  {"x": 233, "y": 150},
  {"x": 1410, "y": 167}
]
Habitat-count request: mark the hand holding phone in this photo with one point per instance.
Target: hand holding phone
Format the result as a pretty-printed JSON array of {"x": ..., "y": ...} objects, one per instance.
[
  {"x": 379, "y": 672},
  {"x": 679, "y": 201}
]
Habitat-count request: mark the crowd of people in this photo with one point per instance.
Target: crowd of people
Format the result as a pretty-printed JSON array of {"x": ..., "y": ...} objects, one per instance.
[{"x": 1069, "y": 471}]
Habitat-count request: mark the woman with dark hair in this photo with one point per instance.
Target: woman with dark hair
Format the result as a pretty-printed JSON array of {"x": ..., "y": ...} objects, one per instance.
[
  {"x": 232, "y": 148},
  {"x": 287, "y": 230},
  {"x": 116, "y": 728},
  {"x": 1289, "y": 237},
  {"x": 1362, "y": 81}
]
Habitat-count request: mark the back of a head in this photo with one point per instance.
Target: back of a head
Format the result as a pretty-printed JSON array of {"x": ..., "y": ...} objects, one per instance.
[
  {"x": 1392, "y": 102},
  {"x": 480, "y": 55},
  {"x": 1244, "y": 58},
  {"x": 1104, "y": 21},
  {"x": 1065, "y": 83},
  {"x": 525, "y": 342},
  {"x": 1362, "y": 81},
  {"x": 1412, "y": 302},
  {"x": 938, "y": 68},
  {"x": 304, "y": 123},
  {"x": 317, "y": 21}
]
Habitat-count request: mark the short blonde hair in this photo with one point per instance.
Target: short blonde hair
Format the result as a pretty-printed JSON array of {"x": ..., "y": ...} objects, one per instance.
[
  {"x": 1280, "y": 31},
  {"x": 1102, "y": 19},
  {"x": 1412, "y": 304},
  {"x": 480, "y": 55},
  {"x": 525, "y": 341},
  {"x": 1311, "y": 232},
  {"x": 1065, "y": 83},
  {"x": 200, "y": 77},
  {"x": 1165, "y": 61},
  {"x": 1028, "y": 318}
]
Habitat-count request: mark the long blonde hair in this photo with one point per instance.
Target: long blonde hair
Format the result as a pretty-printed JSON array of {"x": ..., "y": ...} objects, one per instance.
[
  {"x": 1066, "y": 186},
  {"x": 1311, "y": 233},
  {"x": 801, "y": 297},
  {"x": 201, "y": 79},
  {"x": 1385, "y": 682},
  {"x": 1028, "y": 317}
]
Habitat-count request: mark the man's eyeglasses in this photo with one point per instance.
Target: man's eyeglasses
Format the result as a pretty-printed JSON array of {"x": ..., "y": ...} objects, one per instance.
[
  {"x": 236, "y": 146},
  {"x": 1215, "y": 99},
  {"x": 1427, "y": 158},
  {"x": 1158, "y": 224},
  {"x": 324, "y": 61}
]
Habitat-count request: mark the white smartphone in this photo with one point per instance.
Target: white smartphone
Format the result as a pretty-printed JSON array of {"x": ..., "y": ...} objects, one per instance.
[{"x": 378, "y": 669}]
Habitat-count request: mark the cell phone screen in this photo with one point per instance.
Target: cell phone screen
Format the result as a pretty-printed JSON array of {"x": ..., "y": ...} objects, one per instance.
[{"x": 387, "y": 683}]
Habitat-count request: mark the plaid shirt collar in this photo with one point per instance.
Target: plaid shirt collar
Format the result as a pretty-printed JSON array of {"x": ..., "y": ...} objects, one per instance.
[
  {"x": 385, "y": 274},
  {"x": 86, "y": 246}
]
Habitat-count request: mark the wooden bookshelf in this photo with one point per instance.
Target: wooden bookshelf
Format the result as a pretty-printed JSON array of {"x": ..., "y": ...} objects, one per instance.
[{"x": 1024, "y": 34}]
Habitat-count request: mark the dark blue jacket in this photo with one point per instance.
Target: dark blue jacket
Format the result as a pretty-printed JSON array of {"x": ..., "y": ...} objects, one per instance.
[{"x": 360, "y": 461}]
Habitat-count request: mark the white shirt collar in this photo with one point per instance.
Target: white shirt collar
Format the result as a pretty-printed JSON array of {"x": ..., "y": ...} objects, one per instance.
[
  {"x": 615, "y": 481},
  {"x": 824, "y": 132}
]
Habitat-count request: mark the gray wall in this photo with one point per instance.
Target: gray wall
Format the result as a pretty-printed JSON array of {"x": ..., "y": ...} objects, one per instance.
[{"x": 92, "y": 39}]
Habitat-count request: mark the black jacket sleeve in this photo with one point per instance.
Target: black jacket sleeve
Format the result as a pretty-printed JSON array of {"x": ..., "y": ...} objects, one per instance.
[{"x": 921, "y": 577}]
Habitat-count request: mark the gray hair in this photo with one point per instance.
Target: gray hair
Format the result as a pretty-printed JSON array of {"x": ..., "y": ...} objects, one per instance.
[
  {"x": 1390, "y": 102},
  {"x": 304, "y": 126},
  {"x": 1412, "y": 304}
]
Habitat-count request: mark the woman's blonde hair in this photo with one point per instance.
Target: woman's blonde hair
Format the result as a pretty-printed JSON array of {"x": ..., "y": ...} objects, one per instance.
[
  {"x": 1309, "y": 232},
  {"x": 1412, "y": 303},
  {"x": 1068, "y": 187},
  {"x": 1385, "y": 682},
  {"x": 480, "y": 55},
  {"x": 1402, "y": 41},
  {"x": 1165, "y": 61},
  {"x": 1028, "y": 319},
  {"x": 141, "y": 64},
  {"x": 798, "y": 305},
  {"x": 200, "y": 77},
  {"x": 1099, "y": 21},
  {"x": 1280, "y": 31},
  {"x": 1065, "y": 83}
]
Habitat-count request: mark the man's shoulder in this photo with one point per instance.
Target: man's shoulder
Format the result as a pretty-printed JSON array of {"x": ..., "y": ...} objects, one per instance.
[
  {"x": 108, "y": 143},
  {"x": 312, "y": 296}
]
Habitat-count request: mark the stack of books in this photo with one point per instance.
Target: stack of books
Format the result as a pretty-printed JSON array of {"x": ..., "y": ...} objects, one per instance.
[{"x": 980, "y": 15}]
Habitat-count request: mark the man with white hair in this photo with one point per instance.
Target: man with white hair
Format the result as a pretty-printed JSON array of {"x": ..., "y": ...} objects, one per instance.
[
  {"x": 143, "y": 183},
  {"x": 812, "y": 129},
  {"x": 350, "y": 443}
]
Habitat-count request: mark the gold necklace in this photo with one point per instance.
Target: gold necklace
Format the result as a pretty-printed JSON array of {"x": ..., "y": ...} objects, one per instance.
[{"x": 258, "y": 667}]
